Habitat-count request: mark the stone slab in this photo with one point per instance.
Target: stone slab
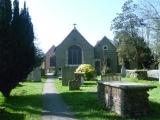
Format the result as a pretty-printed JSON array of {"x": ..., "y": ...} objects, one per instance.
[{"x": 127, "y": 85}]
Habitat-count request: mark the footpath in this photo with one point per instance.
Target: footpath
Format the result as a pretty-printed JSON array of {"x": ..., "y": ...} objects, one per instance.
[{"x": 54, "y": 107}]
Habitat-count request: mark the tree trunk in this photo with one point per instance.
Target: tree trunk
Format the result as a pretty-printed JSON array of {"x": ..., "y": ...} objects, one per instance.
[{"x": 6, "y": 92}]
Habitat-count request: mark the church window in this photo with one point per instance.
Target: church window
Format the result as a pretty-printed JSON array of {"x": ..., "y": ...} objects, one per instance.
[
  {"x": 52, "y": 61},
  {"x": 74, "y": 55},
  {"x": 105, "y": 47}
]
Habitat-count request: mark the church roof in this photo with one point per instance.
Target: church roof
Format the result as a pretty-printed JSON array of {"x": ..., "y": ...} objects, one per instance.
[
  {"x": 74, "y": 35},
  {"x": 104, "y": 39},
  {"x": 50, "y": 52}
]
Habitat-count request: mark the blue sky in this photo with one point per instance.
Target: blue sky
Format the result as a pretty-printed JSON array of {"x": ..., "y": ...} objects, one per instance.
[{"x": 53, "y": 19}]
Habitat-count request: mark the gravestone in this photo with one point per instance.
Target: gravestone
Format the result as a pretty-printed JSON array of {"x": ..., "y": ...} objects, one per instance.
[
  {"x": 68, "y": 74},
  {"x": 123, "y": 71},
  {"x": 35, "y": 75},
  {"x": 74, "y": 85},
  {"x": 79, "y": 76}
]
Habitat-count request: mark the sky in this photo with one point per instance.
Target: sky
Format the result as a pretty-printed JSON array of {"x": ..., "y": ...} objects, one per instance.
[{"x": 53, "y": 19}]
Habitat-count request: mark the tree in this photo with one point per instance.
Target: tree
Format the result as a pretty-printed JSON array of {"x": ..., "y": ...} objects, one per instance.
[
  {"x": 39, "y": 57},
  {"x": 5, "y": 44},
  {"x": 17, "y": 49},
  {"x": 150, "y": 12},
  {"x": 144, "y": 55},
  {"x": 126, "y": 27},
  {"x": 5, "y": 12},
  {"x": 126, "y": 49}
]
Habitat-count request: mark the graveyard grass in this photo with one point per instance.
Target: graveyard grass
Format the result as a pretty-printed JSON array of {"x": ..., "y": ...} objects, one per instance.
[
  {"x": 85, "y": 105},
  {"x": 25, "y": 102}
]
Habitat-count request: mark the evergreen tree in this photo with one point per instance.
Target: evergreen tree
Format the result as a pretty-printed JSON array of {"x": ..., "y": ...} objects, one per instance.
[
  {"x": 26, "y": 42},
  {"x": 17, "y": 49},
  {"x": 39, "y": 57},
  {"x": 144, "y": 55},
  {"x": 5, "y": 45},
  {"x": 5, "y": 13}
]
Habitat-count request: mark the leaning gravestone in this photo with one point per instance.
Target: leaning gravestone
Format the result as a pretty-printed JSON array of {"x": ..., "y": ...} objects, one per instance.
[{"x": 68, "y": 74}]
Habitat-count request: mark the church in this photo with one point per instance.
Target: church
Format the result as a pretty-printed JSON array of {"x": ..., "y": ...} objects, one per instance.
[{"x": 75, "y": 50}]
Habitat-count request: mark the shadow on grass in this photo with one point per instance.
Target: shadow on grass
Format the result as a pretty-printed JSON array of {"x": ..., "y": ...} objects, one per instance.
[
  {"x": 20, "y": 105},
  {"x": 11, "y": 116},
  {"x": 86, "y": 107},
  {"x": 20, "y": 85},
  {"x": 89, "y": 84},
  {"x": 154, "y": 111}
]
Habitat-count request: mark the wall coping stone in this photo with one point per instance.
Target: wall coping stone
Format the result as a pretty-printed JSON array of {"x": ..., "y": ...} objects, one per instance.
[{"x": 127, "y": 85}]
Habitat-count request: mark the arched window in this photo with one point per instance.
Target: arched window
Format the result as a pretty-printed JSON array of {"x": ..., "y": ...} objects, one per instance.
[
  {"x": 74, "y": 55},
  {"x": 53, "y": 61}
]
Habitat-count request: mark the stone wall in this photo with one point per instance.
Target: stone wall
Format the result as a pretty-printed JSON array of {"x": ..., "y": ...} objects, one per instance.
[
  {"x": 153, "y": 74},
  {"x": 143, "y": 74},
  {"x": 136, "y": 103},
  {"x": 50, "y": 53},
  {"x": 101, "y": 92},
  {"x": 115, "y": 99},
  {"x": 126, "y": 99},
  {"x": 110, "y": 54},
  {"x": 111, "y": 77},
  {"x": 139, "y": 74},
  {"x": 74, "y": 38}
]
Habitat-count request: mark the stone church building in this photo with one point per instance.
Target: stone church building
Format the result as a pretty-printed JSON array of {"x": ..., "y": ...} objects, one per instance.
[{"x": 75, "y": 50}]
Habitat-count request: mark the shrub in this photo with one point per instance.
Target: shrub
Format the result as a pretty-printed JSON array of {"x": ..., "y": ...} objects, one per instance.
[{"x": 87, "y": 69}]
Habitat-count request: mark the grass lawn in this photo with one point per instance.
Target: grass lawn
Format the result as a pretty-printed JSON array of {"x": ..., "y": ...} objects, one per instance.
[
  {"x": 25, "y": 102},
  {"x": 85, "y": 105}
]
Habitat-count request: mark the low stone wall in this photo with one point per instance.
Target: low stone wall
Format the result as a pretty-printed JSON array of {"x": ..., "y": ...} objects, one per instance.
[
  {"x": 101, "y": 92},
  {"x": 153, "y": 74},
  {"x": 111, "y": 77},
  {"x": 126, "y": 99},
  {"x": 140, "y": 74},
  {"x": 143, "y": 74}
]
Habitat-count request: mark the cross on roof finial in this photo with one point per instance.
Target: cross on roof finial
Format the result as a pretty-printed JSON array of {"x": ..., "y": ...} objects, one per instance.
[{"x": 74, "y": 25}]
